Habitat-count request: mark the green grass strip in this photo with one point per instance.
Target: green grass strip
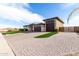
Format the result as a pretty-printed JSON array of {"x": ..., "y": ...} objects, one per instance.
[
  {"x": 9, "y": 33},
  {"x": 46, "y": 35}
]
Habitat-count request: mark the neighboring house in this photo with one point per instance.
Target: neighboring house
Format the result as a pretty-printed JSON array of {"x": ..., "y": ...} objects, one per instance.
[
  {"x": 36, "y": 27},
  {"x": 49, "y": 25}
]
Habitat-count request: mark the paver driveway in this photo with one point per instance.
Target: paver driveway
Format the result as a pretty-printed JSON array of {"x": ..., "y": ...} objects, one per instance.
[{"x": 59, "y": 44}]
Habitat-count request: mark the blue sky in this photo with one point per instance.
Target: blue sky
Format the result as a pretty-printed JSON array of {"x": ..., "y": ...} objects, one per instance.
[{"x": 19, "y": 14}]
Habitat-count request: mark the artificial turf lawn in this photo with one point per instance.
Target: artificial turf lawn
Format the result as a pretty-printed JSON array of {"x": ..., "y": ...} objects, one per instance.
[{"x": 46, "y": 35}]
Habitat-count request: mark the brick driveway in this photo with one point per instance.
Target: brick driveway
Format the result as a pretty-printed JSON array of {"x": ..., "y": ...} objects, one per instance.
[{"x": 23, "y": 44}]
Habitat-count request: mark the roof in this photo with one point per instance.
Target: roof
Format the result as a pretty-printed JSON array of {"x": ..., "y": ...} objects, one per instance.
[
  {"x": 53, "y": 19},
  {"x": 41, "y": 24},
  {"x": 34, "y": 24},
  {"x": 45, "y": 20}
]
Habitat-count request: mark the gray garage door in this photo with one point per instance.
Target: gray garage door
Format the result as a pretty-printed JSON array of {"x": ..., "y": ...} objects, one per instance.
[{"x": 37, "y": 29}]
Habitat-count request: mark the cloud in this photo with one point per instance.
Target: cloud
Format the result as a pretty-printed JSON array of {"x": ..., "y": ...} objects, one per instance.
[
  {"x": 74, "y": 21},
  {"x": 67, "y": 5},
  {"x": 13, "y": 1},
  {"x": 17, "y": 5},
  {"x": 18, "y": 13},
  {"x": 7, "y": 26}
]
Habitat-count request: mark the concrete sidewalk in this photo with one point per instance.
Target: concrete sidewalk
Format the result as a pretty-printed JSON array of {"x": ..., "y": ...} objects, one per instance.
[{"x": 5, "y": 50}]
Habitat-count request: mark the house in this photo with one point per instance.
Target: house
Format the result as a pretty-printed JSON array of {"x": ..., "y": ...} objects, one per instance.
[
  {"x": 53, "y": 24},
  {"x": 40, "y": 27},
  {"x": 49, "y": 25}
]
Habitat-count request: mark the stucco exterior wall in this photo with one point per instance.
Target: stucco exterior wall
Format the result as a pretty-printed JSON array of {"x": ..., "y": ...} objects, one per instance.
[
  {"x": 29, "y": 28},
  {"x": 43, "y": 28},
  {"x": 58, "y": 24},
  {"x": 36, "y": 28}
]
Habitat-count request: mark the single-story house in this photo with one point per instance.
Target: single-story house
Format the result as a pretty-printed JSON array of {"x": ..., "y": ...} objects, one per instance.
[
  {"x": 35, "y": 27},
  {"x": 49, "y": 25}
]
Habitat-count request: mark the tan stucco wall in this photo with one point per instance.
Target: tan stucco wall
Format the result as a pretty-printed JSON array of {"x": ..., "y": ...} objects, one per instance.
[
  {"x": 43, "y": 28},
  {"x": 58, "y": 24}
]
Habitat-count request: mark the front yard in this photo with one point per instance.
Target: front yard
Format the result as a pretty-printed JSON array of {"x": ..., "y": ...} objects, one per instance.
[
  {"x": 13, "y": 32},
  {"x": 5, "y": 33}
]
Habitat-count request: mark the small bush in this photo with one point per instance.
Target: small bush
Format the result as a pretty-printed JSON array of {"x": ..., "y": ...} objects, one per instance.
[{"x": 21, "y": 30}]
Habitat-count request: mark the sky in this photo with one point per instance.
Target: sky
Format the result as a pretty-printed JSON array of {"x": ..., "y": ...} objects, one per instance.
[{"x": 15, "y": 15}]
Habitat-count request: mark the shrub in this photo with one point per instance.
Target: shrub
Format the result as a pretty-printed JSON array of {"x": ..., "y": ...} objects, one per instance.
[{"x": 21, "y": 30}]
